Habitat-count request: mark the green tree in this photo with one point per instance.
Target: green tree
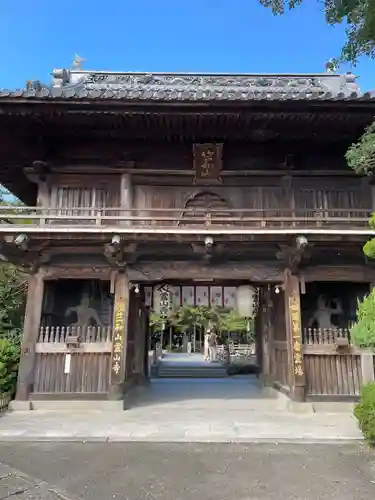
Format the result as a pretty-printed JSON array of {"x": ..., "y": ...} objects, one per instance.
[
  {"x": 361, "y": 158},
  {"x": 359, "y": 16},
  {"x": 13, "y": 286}
]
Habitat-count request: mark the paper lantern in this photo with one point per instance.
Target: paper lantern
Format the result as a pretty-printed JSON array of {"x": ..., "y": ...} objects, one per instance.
[
  {"x": 162, "y": 300},
  {"x": 247, "y": 300}
]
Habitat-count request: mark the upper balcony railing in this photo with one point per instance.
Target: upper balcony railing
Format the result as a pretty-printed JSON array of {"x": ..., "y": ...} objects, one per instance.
[{"x": 180, "y": 220}]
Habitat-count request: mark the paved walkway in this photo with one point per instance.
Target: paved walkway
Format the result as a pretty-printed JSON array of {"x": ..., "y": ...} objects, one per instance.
[
  {"x": 164, "y": 471},
  {"x": 216, "y": 410}
]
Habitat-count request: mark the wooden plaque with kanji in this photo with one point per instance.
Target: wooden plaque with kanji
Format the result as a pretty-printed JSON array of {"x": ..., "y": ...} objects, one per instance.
[{"x": 208, "y": 163}]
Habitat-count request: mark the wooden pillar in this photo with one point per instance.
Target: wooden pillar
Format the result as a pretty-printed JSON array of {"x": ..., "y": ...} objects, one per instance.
[
  {"x": 43, "y": 200},
  {"x": 140, "y": 344},
  {"x": 267, "y": 334},
  {"x": 120, "y": 335},
  {"x": 367, "y": 367},
  {"x": 293, "y": 327},
  {"x": 31, "y": 329},
  {"x": 43, "y": 194},
  {"x": 146, "y": 334},
  {"x": 126, "y": 196}
]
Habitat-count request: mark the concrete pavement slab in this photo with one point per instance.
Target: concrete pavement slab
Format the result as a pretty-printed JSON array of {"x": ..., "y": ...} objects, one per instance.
[
  {"x": 190, "y": 471},
  {"x": 177, "y": 426},
  {"x": 186, "y": 411}
]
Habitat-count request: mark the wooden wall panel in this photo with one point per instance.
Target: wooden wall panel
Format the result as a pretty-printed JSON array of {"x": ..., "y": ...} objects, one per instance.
[
  {"x": 309, "y": 194},
  {"x": 251, "y": 197},
  {"x": 91, "y": 180},
  {"x": 67, "y": 196}
]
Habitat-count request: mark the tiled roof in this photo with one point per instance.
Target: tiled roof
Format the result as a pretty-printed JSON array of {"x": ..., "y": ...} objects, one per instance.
[{"x": 79, "y": 84}]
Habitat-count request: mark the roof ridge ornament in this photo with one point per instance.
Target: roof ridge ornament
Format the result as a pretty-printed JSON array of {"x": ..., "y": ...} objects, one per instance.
[
  {"x": 77, "y": 62},
  {"x": 331, "y": 66}
]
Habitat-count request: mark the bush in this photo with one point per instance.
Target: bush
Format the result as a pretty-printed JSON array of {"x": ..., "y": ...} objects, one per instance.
[
  {"x": 365, "y": 413},
  {"x": 9, "y": 359},
  {"x": 363, "y": 331}
]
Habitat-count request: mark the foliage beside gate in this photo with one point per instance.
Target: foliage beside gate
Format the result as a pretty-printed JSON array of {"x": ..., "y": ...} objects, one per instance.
[
  {"x": 9, "y": 359},
  {"x": 365, "y": 413}
]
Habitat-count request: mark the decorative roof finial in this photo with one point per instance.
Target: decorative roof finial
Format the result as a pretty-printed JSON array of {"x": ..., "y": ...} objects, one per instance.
[
  {"x": 331, "y": 66},
  {"x": 77, "y": 62}
]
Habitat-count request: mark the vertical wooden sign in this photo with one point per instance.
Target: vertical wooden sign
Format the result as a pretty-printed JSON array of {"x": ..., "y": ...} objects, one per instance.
[
  {"x": 118, "y": 340},
  {"x": 295, "y": 320},
  {"x": 294, "y": 336},
  {"x": 208, "y": 163}
]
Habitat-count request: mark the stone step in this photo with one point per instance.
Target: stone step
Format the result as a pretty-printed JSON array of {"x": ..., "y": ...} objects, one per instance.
[
  {"x": 192, "y": 375},
  {"x": 191, "y": 372}
]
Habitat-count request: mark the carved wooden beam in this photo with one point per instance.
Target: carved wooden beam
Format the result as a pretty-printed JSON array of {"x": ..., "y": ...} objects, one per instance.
[{"x": 163, "y": 271}]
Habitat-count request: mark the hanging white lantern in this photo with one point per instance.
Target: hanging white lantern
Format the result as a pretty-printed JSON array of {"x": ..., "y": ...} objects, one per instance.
[{"x": 247, "y": 300}]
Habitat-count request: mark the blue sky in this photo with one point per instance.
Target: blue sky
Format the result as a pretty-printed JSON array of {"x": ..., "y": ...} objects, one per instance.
[{"x": 165, "y": 35}]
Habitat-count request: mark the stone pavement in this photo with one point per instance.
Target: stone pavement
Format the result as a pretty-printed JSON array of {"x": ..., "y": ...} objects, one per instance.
[
  {"x": 187, "y": 471},
  {"x": 221, "y": 410},
  {"x": 178, "y": 426},
  {"x": 15, "y": 484}
]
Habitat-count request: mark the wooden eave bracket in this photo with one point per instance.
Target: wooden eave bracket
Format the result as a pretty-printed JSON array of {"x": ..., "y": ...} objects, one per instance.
[
  {"x": 294, "y": 254},
  {"x": 29, "y": 258},
  {"x": 120, "y": 254},
  {"x": 207, "y": 252},
  {"x": 37, "y": 172}
]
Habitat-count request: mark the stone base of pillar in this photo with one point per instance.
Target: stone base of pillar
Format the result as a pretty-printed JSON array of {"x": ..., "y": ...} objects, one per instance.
[
  {"x": 24, "y": 390},
  {"x": 297, "y": 394},
  {"x": 141, "y": 378},
  {"x": 266, "y": 380},
  {"x": 116, "y": 392},
  {"x": 19, "y": 405}
]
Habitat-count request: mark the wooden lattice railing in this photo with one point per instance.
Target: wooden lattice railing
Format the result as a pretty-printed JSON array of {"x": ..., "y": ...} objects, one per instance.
[
  {"x": 85, "y": 334},
  {"x": 338, "y": 218},
  {"x": 319, "y": 336}
]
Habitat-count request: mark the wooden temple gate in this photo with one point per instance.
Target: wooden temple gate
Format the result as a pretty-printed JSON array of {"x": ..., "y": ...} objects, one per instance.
[{"x": 130, "y": 192}]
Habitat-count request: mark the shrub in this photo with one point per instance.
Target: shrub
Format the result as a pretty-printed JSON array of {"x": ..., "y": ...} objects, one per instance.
[
  {"x": 365, "y": 413},
  {"x": 9, "y": 359},
  {"x": 363, "y": 330}
]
